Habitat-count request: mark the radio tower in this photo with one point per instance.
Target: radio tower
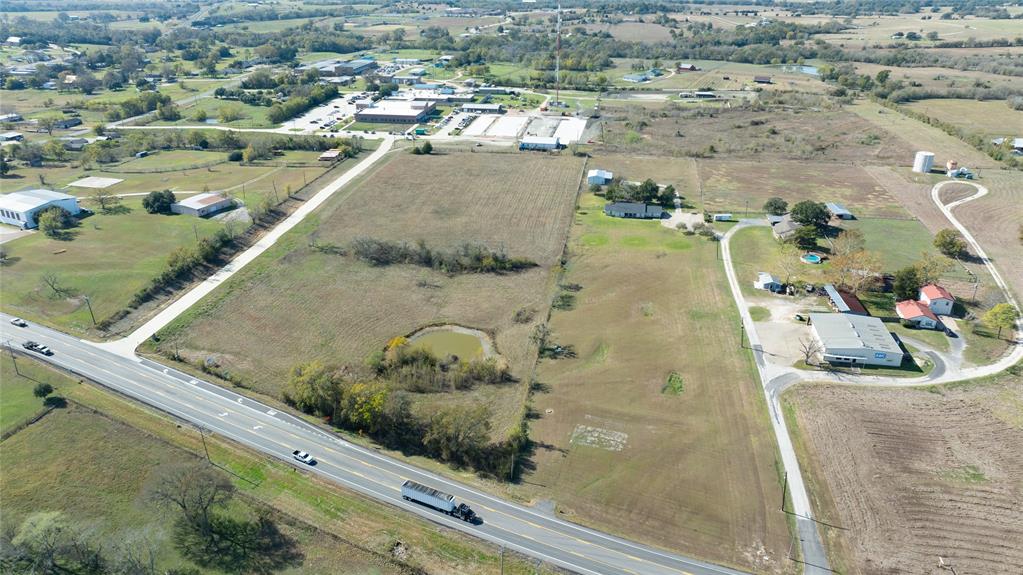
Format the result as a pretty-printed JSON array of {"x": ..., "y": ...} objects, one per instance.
[{"x": 557, "y": 62}]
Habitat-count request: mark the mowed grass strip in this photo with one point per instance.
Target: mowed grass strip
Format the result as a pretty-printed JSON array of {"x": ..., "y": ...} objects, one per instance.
[
  {"x": 108, "y": 259},
  {"x": 693, "y": 472},
  {"x": 296, "y": 304}
]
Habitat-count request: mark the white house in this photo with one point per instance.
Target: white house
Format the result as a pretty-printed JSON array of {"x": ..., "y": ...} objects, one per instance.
[
  {"x": 767, "y": 282},
  {"x": 202, "y": 205},
  {"x": 20, "y": 208},
  {"x": 937, "y": 298},
  {"x": 855, "y": 340},
  {"x": 917, "y": 313}
]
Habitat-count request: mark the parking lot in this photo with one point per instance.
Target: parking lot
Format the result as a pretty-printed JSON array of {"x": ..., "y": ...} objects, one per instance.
[{"x": 324, "y": 116}]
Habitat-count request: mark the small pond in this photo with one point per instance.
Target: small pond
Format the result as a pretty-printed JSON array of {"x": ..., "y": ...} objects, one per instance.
[
  {"x": 443, "y": 341},
  {"x": 800, "y": 68}
]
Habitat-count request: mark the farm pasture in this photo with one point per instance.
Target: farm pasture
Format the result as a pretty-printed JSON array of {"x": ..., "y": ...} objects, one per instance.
[
  {"x": 936, "y": 473},
  {"x": 991, "y": 118},
  {"x": 995, "y": 220},
  {"x": 732, "y": 185},
  {"x": 938, "y": 78},
  {"x": 693, "y": 469},
  {"x": 297, "y": 303},
  {"x": 871, "y": 30}
]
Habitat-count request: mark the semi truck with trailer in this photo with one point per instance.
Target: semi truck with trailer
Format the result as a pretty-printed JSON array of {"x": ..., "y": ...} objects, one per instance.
[{"x": 412, "y": 491}]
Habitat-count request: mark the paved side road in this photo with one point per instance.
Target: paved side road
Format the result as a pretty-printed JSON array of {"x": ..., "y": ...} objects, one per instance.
[{"x": 276, "y": 434}]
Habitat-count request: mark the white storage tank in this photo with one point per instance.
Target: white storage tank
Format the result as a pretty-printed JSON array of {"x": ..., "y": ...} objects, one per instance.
[{"x": 923, "y": 162}]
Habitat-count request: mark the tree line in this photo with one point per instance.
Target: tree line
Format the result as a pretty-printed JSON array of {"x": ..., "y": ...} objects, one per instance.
[{"x": 467, "y": 258}]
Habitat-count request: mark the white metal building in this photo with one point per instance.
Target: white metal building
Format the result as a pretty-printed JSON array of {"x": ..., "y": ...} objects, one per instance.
[
  {"x": 20, "y": 208},
  {"x": 539, "y": 143},
  {"x": 855, "y": 340},
  {"x": 202, "y": 204},
  {"x": 599, "y": 177},
  {"x": 923, "y": 162}
]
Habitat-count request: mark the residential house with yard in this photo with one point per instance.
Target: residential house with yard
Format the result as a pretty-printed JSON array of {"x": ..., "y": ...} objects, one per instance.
[
  {"x": 769, "y": 282},
  {"x": 201, "y": 205},
  {"x": 785, "y": 227},
  {"x": 918, "y": 314},
  {"x": 74, "y": 144},
  {"x": 687, "y": 67},
  {"x": 843, "y": 301},
  {"x": 636, "y": 210},
  {"x": 21, "y": 208},
  {"x": 839, "y": 211},
  {"x": 636, "y": 78},
  {"x": 937, "y": 298},
  {"x": 11, "y": 117},
  {"x": 855, "y": 340},
  {"x": 599, "y": 177},
  {"x": 65, "y": 123},
  {"x": 11, "y": 137}
]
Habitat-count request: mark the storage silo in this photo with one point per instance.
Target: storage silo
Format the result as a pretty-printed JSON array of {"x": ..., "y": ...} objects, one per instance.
[{"x": 923, "y": 162}]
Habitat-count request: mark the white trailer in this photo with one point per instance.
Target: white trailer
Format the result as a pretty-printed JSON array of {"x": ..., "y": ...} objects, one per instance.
[{"x": 443, "y": 502}]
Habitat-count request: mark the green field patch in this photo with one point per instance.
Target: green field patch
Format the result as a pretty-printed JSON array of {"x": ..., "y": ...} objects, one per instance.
[
  {"x": 594, "y": 239},
  {"x": 759, "y": 313},
  {"x": 674, "y": 385},
  {"x": 635, "y": 241},
  {"x": 965, "y": 474}
]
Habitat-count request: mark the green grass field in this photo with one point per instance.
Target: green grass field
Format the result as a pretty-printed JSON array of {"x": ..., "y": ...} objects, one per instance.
[
  {"x": 17, "y": 403},
  {"x": 171, "y": 160},
  {"x": 249, "y": 116},
  {"x": 900, "y": 243},
  {"x": 993, "y": 118},
  {"x": 109, "y": 258}
]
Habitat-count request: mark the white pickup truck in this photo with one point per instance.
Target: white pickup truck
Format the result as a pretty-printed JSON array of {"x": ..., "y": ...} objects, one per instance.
[{"x": 303, "y": 457}]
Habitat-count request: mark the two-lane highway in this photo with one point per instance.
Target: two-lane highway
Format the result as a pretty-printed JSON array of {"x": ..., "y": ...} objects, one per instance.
[{"x": 275, "y": 433}]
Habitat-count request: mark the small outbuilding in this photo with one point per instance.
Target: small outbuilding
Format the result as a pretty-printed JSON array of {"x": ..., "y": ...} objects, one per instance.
[
  {"x": 918, "y": 314},
  {"x": 636, "y": 78},
  {"x": 769, "y": 282},
  {"x": 11, "y": 137},
  {"x": 839, "y": 211},
  {"x": 762, "y": 80},
  {"x": 722, "y": 217},
  {"x": 201, "y": 205},
  {"x": 937, "y": 298},
  {"x": 330, "y": 156},
  {"x": 687, "y": 67},
  {"x": 599, "y": 177},
  {"x": 634, "y": 210},
  {"x": 74, "y": 144},
  {"x": 20, "y": 208},
  {"x": 843, "y": 301}
]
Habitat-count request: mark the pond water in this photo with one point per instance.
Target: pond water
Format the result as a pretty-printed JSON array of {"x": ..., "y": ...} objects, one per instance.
[
  {"x": 466, "y": 344},
  {"x": 801, "y": 68}
]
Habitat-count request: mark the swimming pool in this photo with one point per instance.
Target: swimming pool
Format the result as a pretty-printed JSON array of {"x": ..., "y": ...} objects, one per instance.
[{"x": 811, "y": 258}]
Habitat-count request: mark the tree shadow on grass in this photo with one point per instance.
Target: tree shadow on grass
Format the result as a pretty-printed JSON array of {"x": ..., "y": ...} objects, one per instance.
[{"x": 238, "y": 546}]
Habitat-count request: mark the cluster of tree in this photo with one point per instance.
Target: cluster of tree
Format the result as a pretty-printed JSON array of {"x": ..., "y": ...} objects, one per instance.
[
  {"x": 457, "y": 434},
  {"x": 54, "y": 221},
  {"x": 951, "y": 243},
  {"x": 262, "y": 14},
  {"x": 647, "y": 192},
  {"x": 252, "y": 98},
  {"x": 141, "y": 104},
  {"x": 425, "y": 149},
  {"x": 183, "y": 261},
  {"x": 927, "y": 270},
  {"x": 159, "y": 202},
  {"x": 299, "y": 104},
  {"x": 467, "y": 258},
  {"x": 420, "y": 371},
  {"x": 852, "y": 266},
  {"x": 813, "y": 218}
]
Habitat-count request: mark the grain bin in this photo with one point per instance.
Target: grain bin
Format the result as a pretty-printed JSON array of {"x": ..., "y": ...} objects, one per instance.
[{"x": 923, "y": 162}]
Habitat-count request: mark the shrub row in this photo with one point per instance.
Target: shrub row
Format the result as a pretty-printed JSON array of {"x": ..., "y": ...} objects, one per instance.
[{"x": 468, "y": 258}]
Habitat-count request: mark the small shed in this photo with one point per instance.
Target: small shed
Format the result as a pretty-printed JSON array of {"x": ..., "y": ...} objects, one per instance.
[
  {"x": 330, "y": 156},
  {"x": 722, "y": 217},
  {"x": 762, "y": 80},
  {"x": 766, "y": 281},
  {"x": 11, "y": 137},
  {"x": 844, "y": 302},
  {"x": 839, "y": 211},
  {"x": 687, "y": 67},
  {"x": 74, "y": 144},
  {"x": 634, "y": 210},
  {"x": 202, "y": 205},
  {"x": 599, "y": 177}
]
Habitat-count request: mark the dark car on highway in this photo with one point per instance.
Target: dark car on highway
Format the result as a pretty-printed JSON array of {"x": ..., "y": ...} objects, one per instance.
[{"x": 37, "y": 347}]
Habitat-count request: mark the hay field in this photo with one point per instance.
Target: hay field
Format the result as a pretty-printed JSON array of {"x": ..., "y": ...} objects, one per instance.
[
  {"x": 729, "y": 184},
  {"x": 296, "y": 304},
  {"x": 693, "y": 472},
  {"x": 825, "y": 135},
  {"x": 995, "y": 220},
  {"x": 991, "y": 118},
  {"x": 937, "y": 474}
]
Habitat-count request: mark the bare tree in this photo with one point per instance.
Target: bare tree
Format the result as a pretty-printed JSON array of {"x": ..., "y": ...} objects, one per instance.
[
  {"x": 105, "y": 200},
  {"x": 194, "y": 488},
  {"x": 789, "y": 260},
  {"x": 810, "y": 348},
  {"x": 52, "y": 281}
]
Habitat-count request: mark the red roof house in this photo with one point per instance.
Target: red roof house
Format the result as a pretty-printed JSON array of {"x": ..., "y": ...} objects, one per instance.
[
  {"x": 937, "y": 298},
  {"x": 918, "y": 313}
]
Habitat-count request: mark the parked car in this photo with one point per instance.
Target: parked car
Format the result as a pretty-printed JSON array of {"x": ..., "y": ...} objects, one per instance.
[
  {"x": 303, "y": 457},
  {"x": 37, "y": 347},
  {"x": 19, "y": 322}
]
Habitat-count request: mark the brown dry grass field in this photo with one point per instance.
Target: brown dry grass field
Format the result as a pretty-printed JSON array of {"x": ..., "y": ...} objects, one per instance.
[
  {"x": 911, "y": 475},
  {"x": 729, "y": 184},
  {"x": 295, "y": 303},
  {"x": 920, "y": 136},
  {"x": 693, "y": 472},
  {"x": 991, "y": 118},
  {"x": 826, "y": 135},
  {"x": 935, "y": 77},
  {"x": 680, "y": 172},
  {"x": 995, "y": 220}
]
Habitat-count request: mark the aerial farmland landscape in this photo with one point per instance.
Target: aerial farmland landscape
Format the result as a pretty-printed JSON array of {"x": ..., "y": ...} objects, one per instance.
[{"x": 503, "y": 286}]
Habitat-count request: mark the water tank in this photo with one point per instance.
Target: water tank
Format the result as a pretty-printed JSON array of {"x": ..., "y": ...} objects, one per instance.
[{"x": 923, "y": 162}]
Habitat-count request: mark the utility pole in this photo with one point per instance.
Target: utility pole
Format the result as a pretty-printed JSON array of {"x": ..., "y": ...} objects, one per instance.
[
  {"x": 784, "y": 490},
  {"x": 88, "y": 302},
  {"x": 14, "y": 358},
  {"x": 195, "y": 230},
  {"x": 747, "y": 208},
  {"x": 742, "y": 334},
  {"x": 207, "y": 451},
  {"x": 502, "y": 561}
]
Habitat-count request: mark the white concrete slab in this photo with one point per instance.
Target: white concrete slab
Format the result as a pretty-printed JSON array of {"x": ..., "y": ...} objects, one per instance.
[
  {"x": 480, "y": 125},
  {"x": 95, "y": 182},
  {"x": 508, "y": 126},
  {"x": 570, "y": 130}
]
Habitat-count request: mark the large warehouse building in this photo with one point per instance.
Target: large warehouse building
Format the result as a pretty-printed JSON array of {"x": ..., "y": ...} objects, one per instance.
[
  {"x": 855, "y": 340},
  {"x": 21, "y": 208},
  {"x": 396, "y": 111}
]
